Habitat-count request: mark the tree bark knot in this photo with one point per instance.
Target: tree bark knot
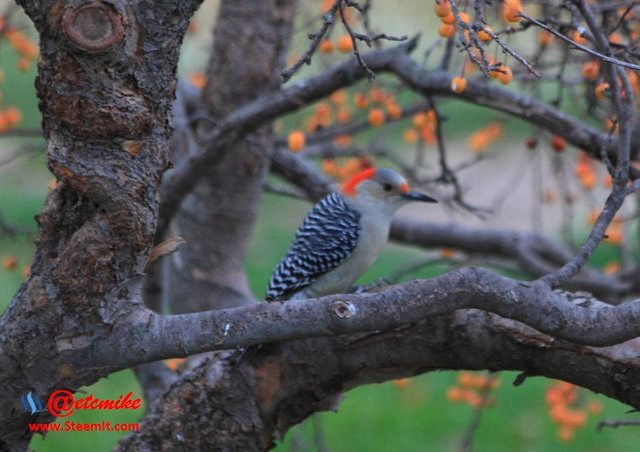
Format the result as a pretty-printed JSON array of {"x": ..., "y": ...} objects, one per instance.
[
  {"x": 94, "y": 26},
  {"x": 343, "y": 309}
]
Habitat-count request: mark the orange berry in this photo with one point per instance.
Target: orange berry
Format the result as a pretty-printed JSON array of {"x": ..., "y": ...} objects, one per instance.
[
  {"x": 610, "y": 124},
  {"x": 326, "y": 46},
  {"x": 343, "y": 114},
  {"x": 26, "y": 270},
  {"x": 455, "y": 394},
  {"x": 464, "y": 17},
  {"x": 27, "y": 49},
  {"x": 419, "y": 119},
  {"x": 393, "y": 109},
  {"x": 589, "y": 180},
  {"x": 575, "y": 418},
  {"x": 473, "y": 399},
  {"x": 23, "y": 64},
  {"x": 174, "y": 363},
  {"x": 558, "y": 143},
  {"x": 12, "y": 116},
  {"x": 198, "y": 80},
  {"x": 458, "y": 84},
  {"x": 9, "y": 262},
  {"x": 447, "y": 253},
  {"x": 410, "y": 136},
  {"x": 376, "y": 117},
  {"x": 360, "y": 100},
  {"x": 311, "y": 124},
  {"x": 578, "y": 38},
  {"x": 449, "y": 19},
  {"x": 466, "y": 379},
  {"x": 506, "y": 75},
  {"x": 442, "y": 8},
  {"x": 378, "y": 95},
  {"x": 511, "y": 10},
  {"x": 446, "y": 30},
  {"x": 601, "y": 90},
  {"x": 483, "y": 35},
  {"x": 427, "y": 133},
  {"x": 481, "y": 382},
  {"x": 590, "y": 70},
  {"x": 594, "y": 407},
  {"x": 545, "y": 38},
  {"x": 330, "y": 167},
  {"x": 338, "y": 97},
  {"x": 615, "y": 38},
  {"x": 611, "y": 268},
  {"x": 401, "y": 383},
  {"x": 614, "y": 235},
  {"x": 345, "y": 44},
  {"x": 342, "y": 140},
  {"x": 323, "y": 111},
  {"x": 566, "y": 434},
  {"x": 295, "y": 140}
]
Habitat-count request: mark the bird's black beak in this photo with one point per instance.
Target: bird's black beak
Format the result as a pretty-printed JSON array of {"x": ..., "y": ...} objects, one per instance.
[{"x": 415, "y": 196}]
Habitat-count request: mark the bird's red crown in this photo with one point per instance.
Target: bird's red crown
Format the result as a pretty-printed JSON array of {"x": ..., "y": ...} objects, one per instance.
[{"x": 349, "y": 188}]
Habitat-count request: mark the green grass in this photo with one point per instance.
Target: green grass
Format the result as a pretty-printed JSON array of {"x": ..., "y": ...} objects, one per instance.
[
  {"x": 371, "y": 418},
  {"x": 384, "y": 418}
]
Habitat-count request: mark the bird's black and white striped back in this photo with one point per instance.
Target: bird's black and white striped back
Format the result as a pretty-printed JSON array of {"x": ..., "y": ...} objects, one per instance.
[{"x": 326, "y": 238}]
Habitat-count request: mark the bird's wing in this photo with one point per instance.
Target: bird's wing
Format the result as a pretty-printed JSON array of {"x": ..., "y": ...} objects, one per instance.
[{"x": 327, "y": 237}]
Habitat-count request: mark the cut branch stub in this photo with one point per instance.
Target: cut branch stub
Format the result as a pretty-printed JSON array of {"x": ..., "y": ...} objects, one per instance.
[
  {"x": 94, "y": 26},
  {"x": 343, "y": 309}
]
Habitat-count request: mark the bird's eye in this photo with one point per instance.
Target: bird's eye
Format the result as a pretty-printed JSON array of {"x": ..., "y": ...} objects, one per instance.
[{"x": 387, "y": 187}]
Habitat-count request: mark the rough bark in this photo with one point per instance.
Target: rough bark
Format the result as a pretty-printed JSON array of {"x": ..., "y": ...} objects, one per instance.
[
  {"x": 274, "y": 393},
  {"x": 105, "y": 96}
]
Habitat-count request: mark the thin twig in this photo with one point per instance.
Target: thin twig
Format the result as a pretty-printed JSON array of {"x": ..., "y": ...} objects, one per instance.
[
  {"x": 370, "y": 74},
  {"x": 591, "y": 52},
  {"x": 613, "y": 423},
  {"x": 467, "y": 440},
  {"x": 619, "y": 190},
  {"x": 316, "y": 38}
]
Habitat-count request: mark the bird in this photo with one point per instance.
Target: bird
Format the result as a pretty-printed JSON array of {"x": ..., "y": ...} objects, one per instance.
[
  {"x": 341, "y": 236},
  {"x": 339, "y": 239}
]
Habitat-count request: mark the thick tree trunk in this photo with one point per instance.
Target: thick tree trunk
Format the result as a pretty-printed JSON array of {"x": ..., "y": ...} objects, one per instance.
[
  {"x": 106, "y": 81},
  {"x": 250, "y": 44}
]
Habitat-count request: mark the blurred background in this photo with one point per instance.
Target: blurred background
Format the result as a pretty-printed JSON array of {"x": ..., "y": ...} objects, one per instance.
[{"x": 436, "y": 411}]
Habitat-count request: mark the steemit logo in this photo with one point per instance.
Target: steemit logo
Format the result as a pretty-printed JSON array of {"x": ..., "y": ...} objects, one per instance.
[{"x": 31, "y": 403}]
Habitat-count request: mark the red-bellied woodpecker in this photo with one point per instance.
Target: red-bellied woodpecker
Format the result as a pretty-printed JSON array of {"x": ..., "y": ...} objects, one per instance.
[{"x": 341, "y": 236}]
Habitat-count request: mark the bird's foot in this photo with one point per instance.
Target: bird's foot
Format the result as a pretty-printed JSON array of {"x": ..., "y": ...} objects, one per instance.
[{"x": 376, "y": 285}]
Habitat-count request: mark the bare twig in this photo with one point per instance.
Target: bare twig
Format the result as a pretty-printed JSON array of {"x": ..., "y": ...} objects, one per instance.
[
  {"x": 370, "y": 74},
  {"x": 613, "y": 423},
  {"x": 591, "y": 52},
  {"x": 472, "y": 428},
  {"x": 327, "y": 21},
  {"x": 619, "y": 190}
]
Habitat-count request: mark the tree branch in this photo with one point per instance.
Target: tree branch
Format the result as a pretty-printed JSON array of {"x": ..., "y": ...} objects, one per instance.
[
  {"x": 181, "y": 179},
  {"x": 533, "y": 253},
  {"x": 272, "y": 392},
  {"x": 532, "y": 303}
]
